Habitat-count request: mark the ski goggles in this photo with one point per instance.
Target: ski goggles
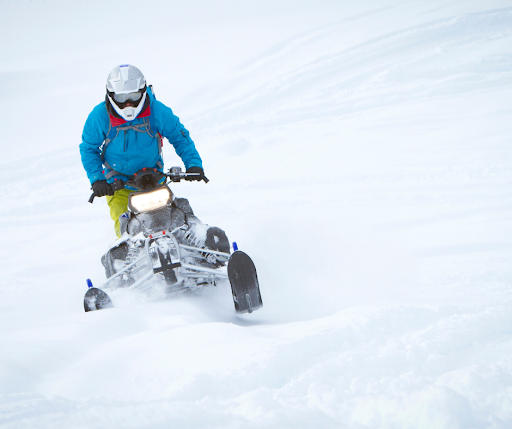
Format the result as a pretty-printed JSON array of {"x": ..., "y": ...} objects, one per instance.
[{"x": 123, "y": 98}]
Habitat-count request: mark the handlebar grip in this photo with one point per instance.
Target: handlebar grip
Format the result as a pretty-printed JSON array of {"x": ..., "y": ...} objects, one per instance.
[
  {"x": 206, "y": 180},
  {"x": 91, "y": 198}
]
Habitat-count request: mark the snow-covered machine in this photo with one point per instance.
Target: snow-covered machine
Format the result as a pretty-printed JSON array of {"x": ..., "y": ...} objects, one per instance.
[{"x": 163, "y": 242}]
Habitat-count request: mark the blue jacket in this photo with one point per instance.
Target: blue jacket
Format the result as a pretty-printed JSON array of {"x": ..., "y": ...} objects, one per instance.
[{"x": 130, "y": 150}]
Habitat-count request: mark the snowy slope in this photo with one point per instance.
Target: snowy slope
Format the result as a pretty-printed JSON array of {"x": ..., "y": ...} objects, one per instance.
[{"x": 360, "y": 153}]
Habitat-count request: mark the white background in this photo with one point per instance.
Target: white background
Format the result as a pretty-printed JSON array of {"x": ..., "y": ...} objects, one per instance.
[{"x": 358, "y": 151}]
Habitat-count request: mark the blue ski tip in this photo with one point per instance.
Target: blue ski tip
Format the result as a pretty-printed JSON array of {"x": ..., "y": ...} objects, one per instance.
[
  {"x": 235, "y": 246},
  {"x": 89, "y": 283}
]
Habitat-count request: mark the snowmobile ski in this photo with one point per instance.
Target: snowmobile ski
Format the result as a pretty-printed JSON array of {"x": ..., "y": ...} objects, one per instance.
[
  {"x": 96, "y": 299},
  {"x": 244, "y": 283}
]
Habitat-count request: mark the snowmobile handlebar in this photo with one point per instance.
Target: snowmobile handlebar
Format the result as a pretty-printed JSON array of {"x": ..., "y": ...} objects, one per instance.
[{"x": 175, "y": 175}]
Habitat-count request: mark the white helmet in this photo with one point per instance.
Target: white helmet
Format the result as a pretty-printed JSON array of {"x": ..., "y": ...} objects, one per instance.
[{"x": 126, "y": 90}]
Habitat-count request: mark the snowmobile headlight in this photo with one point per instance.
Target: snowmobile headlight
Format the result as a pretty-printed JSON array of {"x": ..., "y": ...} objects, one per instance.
[{"x": 147, "y": 201}]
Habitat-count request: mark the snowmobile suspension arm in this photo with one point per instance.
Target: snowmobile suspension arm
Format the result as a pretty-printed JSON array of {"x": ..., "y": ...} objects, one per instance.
[
  {"x": 183, "y": 246},
  {"x": 121, "y": 272},
  {"x": 203, "y": 270}
]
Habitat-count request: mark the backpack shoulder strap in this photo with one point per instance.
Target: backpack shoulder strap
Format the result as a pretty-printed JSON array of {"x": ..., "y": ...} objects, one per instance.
[
  {"x": 153, "y": 129},
  {"x": 111, "y": 135}
]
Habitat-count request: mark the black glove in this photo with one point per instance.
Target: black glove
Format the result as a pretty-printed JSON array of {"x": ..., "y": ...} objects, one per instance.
[
  {"x": 102, "y": 188},
  {"x": 197, "y": 177}
]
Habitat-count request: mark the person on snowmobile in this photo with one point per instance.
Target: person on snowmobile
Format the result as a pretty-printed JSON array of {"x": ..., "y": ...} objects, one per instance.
[{"x": 124, "y": 134}]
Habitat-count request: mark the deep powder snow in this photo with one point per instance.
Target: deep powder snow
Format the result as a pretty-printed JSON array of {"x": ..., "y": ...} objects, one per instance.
[{"x": 360, "y": 153}]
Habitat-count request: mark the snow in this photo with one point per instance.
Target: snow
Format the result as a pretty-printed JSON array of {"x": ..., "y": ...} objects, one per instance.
[{"x": 358, "y": 151}]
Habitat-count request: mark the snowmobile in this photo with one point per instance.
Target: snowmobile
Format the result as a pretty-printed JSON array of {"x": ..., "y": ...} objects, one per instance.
[{"x": 163, "y": 242}]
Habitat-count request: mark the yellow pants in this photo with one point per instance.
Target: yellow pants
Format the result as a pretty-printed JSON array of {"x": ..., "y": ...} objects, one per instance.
[{"x": 118, "y": 204}]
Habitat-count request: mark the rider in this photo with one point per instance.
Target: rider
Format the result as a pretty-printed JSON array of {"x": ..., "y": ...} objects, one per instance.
[{"x": 124, "y": 134}]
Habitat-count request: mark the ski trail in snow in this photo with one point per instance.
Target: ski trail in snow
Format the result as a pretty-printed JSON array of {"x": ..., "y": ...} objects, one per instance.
[
  {"x": 297, "y": 42},
  {"x": 439, "y": 59}
]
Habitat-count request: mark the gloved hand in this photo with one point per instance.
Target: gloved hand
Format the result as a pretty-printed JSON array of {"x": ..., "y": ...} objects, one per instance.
[
  {"x": 198, "y": 177},
  {"x": 102, "y": 188}
]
